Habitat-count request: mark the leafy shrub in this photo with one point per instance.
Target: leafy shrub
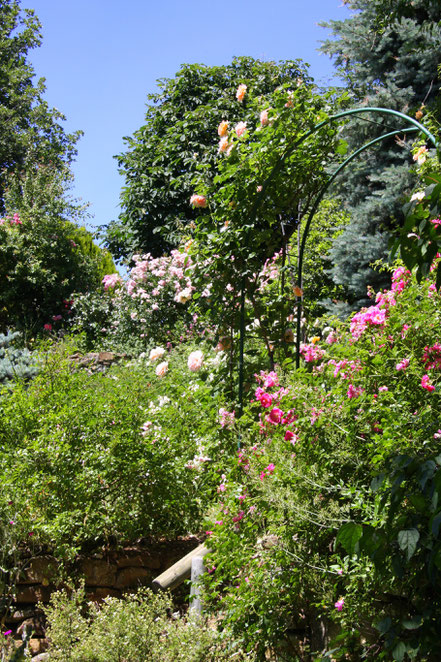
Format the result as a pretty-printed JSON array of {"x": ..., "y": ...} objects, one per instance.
[{"x": 92, "y": 457}]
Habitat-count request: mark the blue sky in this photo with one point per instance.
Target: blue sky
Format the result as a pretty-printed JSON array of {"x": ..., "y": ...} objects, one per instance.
[{"x": 101, "y": 58}]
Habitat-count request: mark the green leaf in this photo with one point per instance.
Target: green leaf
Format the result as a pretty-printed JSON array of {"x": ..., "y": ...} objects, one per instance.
[
  {"x": 348, "y": 537},
  {"x": 412, "y": 623},
  {"x": 408, "y": 540},
  {"x": 399, "y": 651}
]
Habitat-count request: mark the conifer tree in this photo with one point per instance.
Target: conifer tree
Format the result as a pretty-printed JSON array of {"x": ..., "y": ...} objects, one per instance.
[{"x": 388, "y": 55}]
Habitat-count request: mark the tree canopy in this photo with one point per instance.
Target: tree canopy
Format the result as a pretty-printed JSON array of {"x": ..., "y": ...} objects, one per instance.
[
  {"x": 178, "y": 141},
  {"x": 27, "y": 124},
  {"x": 388, "y": 55}
]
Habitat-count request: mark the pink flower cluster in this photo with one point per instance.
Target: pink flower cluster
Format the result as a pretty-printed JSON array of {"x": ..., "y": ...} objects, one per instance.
[
  {"x": 311, "y": 352},
  {"x": 227, "y": 418},
  {"x": 432, "y": 357},
  {"x": 275, "y": 415},
  {"x": 15, "y": 220},
  {"x": 372, "y": 316},
  {"x": 153, "y": 278},
  {"x": 111, "y": 280}
]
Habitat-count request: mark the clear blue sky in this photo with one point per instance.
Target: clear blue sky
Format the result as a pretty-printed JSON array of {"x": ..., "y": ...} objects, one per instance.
[{"x": 101, "y": 58}]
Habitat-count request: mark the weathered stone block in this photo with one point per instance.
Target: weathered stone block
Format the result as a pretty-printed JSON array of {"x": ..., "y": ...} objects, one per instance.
[
  {"x": 33, "y": 594},
  {"x": 132, "y": 577},
  {"x": 41, "y": 570},
  {"x": 98, "y": 572}
]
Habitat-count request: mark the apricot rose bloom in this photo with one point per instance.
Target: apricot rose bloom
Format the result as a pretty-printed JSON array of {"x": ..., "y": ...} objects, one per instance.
[
  {"x": 241, "y": 91},
  {"x": 264, "y": 118},
  {"x": 198, "y": 201},
  {"x": 222, "y": 129},
  {"x": 156, "y": 353}
]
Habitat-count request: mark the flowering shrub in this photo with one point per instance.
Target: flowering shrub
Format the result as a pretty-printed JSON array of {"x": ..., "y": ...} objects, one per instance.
[
  {"x": 148, "y": 306},
  {"x": 326, "y": 510}
]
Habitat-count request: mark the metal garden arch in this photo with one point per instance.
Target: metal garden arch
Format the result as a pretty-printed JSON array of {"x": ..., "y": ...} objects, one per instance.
[{"x": 415, "y": 127}]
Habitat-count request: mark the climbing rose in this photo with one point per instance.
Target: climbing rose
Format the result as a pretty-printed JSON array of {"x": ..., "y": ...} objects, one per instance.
[
  {"x": 241, "y": 91},
  {"x": 421, "y": 155},
  {"x": 223, "y": 145},
  {"x": 195, "y": 361},
  {"x": 198, "y": 201},
  {"x": 110, "y": 280},
  {"x": 222, "y": 129},
  {"x": 264, "y": 118},
  {"x": 402, "y": 365},
  {"x": 240, "y": 128},
  {"x": 425, "y": 383}
]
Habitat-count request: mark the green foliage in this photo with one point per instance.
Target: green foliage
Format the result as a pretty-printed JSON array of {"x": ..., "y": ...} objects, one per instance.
[
  {"x": 420, "y": 238},
  {"x": 27, "y": 124},
  {"x": 89, "y": 458},
  {"x": 330, "y": 510},
  {"x": 44, "y": 256},
  {"x": 387, "y": 55},
  {"x": 138, "y": 628},
  {"x": 15, "y": 362},
  {"x": 177, "y": 140}
]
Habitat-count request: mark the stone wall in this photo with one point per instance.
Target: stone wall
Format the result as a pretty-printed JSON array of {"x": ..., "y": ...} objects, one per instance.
[{"x": 108, "y": 573}]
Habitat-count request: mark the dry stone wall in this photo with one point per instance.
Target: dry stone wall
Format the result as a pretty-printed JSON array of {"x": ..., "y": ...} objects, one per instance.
[{"x": 108, "y": 573}]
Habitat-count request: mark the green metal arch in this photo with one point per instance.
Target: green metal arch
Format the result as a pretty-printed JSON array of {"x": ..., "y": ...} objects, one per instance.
[{"x": 416, "y": 126}]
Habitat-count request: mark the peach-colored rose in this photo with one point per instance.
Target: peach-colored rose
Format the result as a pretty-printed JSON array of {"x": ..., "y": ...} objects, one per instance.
[
  {"x": 161, "y": 369},
  {"x": 156, "y": 353},
  {"x": 298, "y": 292},
  {"x": 198, "y": 200},
  {"x": 421, "y": 155},
  {"x": 223, "y": 145},
  {"x": 240, "y": 128},
  {"x": 264, "y": 118},
  {"x": 241, "y": 91},
  {"x": 222, "y": 129},
  {"x": 195, "y": 361}
]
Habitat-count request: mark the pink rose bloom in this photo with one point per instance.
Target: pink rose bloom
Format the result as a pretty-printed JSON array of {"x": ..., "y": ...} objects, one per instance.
[
  {"x": 47, "y": 327},
  {"x": 240, "y": 128},
  {"x": 241, "y": 91},
  {"x": 383, "y": 389},
  {"x": 402, "y": 365},
  {"x": 436, "y": 221},
  {"x": 354, "y": 391},
  {"x": 289, "y": 435},
  {"x": 266, "y": 400},
  {"x": 270, "y": 468},
  {"x": 271, "y": 380},
  {"x": 264, "y": 118},
  {"x": 198, "y": 201},
  {"x": 339, "y": 604},
  {"x": 425, "y": 383},
  {"x": 275, "y": 415},
  {"x": 161, "y": 369},
  {"x": 195, "y": 361}
]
